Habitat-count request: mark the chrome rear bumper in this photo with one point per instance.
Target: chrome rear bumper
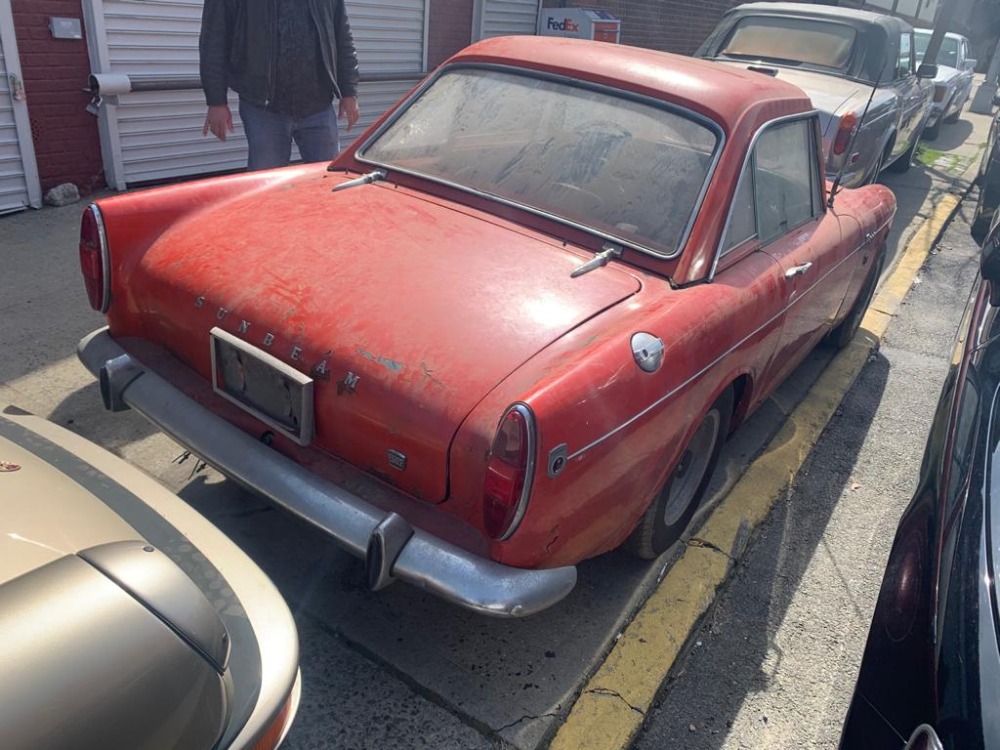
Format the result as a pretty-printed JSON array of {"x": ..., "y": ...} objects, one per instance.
[{"x": 391, "y": 548}]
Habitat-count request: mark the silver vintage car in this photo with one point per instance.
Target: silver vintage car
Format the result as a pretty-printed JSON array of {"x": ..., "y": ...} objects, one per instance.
[
  {"x": 953, "y": 82},
  {"x": 846, "y": 60},
  {"x": 127, "y": 620}
]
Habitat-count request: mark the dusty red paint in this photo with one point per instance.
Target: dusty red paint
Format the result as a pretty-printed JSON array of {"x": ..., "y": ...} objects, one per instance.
[{"x": 449, "y": 313}]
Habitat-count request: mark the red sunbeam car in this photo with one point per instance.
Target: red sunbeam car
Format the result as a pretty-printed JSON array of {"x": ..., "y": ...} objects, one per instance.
[{"x": 510, "y": 327}]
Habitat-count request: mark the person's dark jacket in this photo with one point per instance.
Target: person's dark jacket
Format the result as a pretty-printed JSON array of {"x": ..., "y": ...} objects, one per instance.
[{"x": 239, "y": 46}]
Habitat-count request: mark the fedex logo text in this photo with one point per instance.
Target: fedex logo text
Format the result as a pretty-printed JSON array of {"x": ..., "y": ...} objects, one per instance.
[{"x": 567, "y": 24}]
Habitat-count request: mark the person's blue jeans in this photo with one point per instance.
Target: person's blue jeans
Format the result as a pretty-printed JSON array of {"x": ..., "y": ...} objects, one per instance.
[{"x": 270, "y": 136}]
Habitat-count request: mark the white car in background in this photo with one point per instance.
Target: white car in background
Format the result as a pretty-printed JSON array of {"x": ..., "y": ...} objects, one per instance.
[{"x": 953, "y": 82}]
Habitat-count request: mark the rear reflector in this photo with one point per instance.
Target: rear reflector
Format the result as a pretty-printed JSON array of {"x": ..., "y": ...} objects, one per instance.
[
  {"x": 509, "y": 472},
  {"x": 94, "y": 260},
  {"x": 276, "y": 732},
  {"x": 844, "y": 133},
  {"x": 939, "y": 92}
]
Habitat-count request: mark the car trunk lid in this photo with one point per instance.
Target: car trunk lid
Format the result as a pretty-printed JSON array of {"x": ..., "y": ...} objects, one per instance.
[{"x": 405, "y": 310}]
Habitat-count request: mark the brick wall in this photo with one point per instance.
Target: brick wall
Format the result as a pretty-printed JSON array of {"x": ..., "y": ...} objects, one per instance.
[
  {"x": 449, "y": 29},
  {"x": 55, "y": 71}
]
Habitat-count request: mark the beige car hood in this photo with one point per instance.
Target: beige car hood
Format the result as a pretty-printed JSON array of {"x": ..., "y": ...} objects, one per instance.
[{"x": 46, "y": 515}]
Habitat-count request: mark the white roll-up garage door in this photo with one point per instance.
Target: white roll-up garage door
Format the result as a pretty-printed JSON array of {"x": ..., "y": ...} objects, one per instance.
[
  {"x": 156, "y": 135},
  {"x": 505, "y": 17},
  {"x": 19, "y": 186}
]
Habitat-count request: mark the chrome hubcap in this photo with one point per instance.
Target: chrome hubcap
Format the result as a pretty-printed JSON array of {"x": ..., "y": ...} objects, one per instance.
[{"x": 690, "y": 470}]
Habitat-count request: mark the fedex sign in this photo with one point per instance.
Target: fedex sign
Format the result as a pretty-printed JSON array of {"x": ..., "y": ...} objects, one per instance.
[
  {"x": 566, "y": 24},
  {"x": 580, "y": 23}
]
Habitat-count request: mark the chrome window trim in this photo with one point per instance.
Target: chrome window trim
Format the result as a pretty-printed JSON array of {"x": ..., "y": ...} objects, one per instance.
[
  {"x": 662, "y": 104},
  {"x": 720, "y": 358},
  {"x": 751, "y": 156},
  {"x": 105, "y": 257},
  {"x": 529, "y": 475},
  {"x": 725, "y": 230}
]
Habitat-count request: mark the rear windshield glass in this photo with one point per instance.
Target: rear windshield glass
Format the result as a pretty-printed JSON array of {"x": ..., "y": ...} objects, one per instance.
[
  {"x": 948, "y": 55},
  {"x": 629, "y": 169},
  {"x": 792, "y": 41}
]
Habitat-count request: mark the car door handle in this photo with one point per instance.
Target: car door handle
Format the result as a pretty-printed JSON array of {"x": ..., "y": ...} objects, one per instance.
[{"x": 797, "y": 270}]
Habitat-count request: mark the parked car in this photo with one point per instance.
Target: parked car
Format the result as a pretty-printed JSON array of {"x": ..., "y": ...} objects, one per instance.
[
  {"x": 509, "y": 328},
  {"x": 932, "y": 656},
  {"x": 858, "y": 68},
  {"x": 953, "y": 82},
  {"x": 988, "y": 180},
  {"x": 128, "y": 620}
]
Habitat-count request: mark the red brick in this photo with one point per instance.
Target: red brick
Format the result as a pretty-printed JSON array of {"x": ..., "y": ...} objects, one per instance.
[{"x": 67, "y": 146}]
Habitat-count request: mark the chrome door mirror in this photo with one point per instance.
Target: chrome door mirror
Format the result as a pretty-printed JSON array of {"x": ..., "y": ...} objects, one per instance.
[{"x": 927, "y": 70}]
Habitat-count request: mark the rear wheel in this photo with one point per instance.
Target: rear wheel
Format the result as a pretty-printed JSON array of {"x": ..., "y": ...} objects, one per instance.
[
  {"x": 931, "y": 132},
  {"x": 670, "y": 513},
  {"x": 845, "y": 331},
  {"x": 905, "y": 161}
]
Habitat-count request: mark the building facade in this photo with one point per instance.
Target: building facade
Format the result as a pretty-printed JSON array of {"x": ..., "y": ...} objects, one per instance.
[{"x": 53, "y": 131}]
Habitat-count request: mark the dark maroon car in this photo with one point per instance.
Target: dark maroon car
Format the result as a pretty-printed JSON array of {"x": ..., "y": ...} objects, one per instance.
[{"x": 930, "y": 676}]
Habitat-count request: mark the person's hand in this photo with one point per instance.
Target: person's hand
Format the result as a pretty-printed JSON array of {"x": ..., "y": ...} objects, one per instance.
[
  {"x": 349, "y": 109},
  {"x": 218, "y": 121}
]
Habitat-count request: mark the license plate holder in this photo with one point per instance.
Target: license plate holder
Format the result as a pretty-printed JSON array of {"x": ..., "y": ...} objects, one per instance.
[{"x": 262, "y": 385}]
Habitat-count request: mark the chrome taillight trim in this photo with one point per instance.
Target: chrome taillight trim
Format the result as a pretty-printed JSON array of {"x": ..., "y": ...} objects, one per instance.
[
  {"x": 102, "y": 237},
  {"x": 529, "y": 470}
]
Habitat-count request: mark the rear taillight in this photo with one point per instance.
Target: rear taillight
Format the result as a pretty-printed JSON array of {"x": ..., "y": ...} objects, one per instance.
[
  {"x": 844, "y": 133},
  {"x": 509, "y": 472},
  {"x": 94, "y": 261},
  {"x": 939, "y": 92}
]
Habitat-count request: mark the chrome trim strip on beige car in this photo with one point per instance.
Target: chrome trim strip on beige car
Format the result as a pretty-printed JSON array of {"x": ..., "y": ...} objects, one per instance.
[{"x": 426, "y": 561}]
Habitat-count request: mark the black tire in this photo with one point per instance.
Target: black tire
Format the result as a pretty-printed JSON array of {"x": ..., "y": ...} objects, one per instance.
[
  {"x": 931, "y": 132},
  {"x": 671, "y": 511},
  {"x": 905, "y": 161},
  {"x": 846, "y": 330},
  {"x": 954, "y": 117},
  {"x": 982, "y": 220}
]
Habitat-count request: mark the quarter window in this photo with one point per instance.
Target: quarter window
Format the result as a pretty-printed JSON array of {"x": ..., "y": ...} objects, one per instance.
[
  {"x": 905, "y": 65},
  {"x": 779, "y": 188},
  {"x": 784, "y": 179}
]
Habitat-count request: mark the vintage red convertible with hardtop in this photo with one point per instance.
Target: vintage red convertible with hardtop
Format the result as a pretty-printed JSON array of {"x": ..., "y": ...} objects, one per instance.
[{"x": 510, "y": 327}]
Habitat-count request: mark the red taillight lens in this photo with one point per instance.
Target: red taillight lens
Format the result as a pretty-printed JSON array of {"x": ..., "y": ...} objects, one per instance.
[
  {"x": 94, "y": 258},
  {"x": 508, "y": 473},
  {"x": 844, "y": 132},
  {"x": 939, "y": 92}
]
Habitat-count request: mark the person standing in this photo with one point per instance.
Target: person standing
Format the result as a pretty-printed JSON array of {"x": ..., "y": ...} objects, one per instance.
[{"x": 288, "y": 60}]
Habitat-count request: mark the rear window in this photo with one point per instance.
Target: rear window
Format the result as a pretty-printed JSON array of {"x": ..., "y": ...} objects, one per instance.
[
  {"x": 792, "y": 41},
  {"x": 948, "y": 55},
  {"x": 631, "y": 169}
]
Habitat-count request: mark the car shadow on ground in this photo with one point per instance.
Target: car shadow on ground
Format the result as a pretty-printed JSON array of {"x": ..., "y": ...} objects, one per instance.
[
  {"x": 951, "y": 136},
  {"x": 764, "y": 584}
]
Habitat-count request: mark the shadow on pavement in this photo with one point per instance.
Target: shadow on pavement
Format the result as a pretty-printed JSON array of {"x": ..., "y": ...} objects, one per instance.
[
  {"x": 952, "y": 136},
  {"x": 763, "y": 587}
]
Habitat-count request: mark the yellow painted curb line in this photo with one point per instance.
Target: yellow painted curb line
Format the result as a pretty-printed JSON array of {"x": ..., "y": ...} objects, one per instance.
[{"x": 613, "y": 705}]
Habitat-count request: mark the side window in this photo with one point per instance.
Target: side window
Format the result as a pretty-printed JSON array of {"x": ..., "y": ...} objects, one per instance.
[
  {"x": 905, "y": 65},
  {"x": 784, "y": 178},
  {"x": 743, "y": 220}
]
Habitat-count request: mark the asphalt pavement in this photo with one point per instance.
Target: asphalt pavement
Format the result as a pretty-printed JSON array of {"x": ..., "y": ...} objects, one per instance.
[{"x": 399, "y": 669}]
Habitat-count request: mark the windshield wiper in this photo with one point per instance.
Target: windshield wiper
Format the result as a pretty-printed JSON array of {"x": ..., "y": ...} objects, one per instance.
[
  {"x": 762, "y": 58},
  {"x": 376, "y": 176},
  {"x": 608, "y": 252}
]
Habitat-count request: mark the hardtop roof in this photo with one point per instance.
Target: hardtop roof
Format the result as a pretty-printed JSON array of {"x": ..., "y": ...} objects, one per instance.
[{"x": 722, "y": 93}]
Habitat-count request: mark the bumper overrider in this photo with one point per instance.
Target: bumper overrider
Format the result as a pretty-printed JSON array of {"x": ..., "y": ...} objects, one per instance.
[{"x": 390, "y": 547}]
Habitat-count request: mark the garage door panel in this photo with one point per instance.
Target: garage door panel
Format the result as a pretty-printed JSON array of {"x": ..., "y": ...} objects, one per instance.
[
  {"x": 158, "y": 133},
  {"x": 19, "y": 186}
]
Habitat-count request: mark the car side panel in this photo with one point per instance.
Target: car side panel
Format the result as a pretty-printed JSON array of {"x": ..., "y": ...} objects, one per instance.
[{"x": 623, "y": 429}]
